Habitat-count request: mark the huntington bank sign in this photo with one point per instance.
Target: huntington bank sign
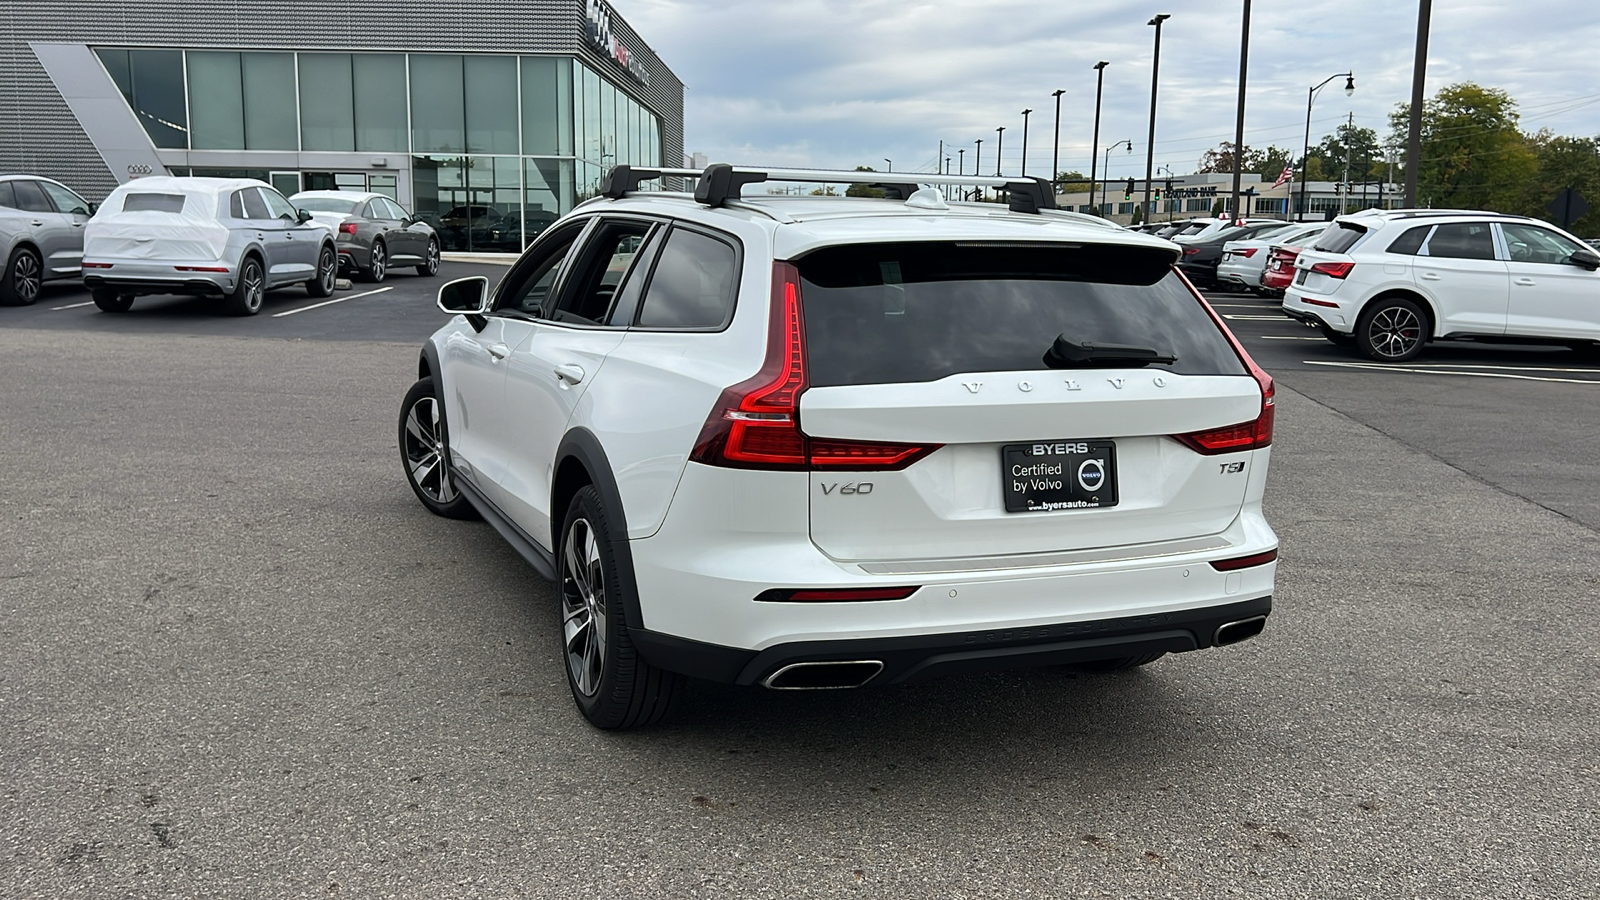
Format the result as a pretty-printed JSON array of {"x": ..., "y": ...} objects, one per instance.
[{"x": 600, "y": 35}]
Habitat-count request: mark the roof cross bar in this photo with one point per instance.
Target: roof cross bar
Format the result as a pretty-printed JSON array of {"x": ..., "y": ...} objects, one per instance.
[
  {"x": 721, "y": 183},
  {"x": 624, "y": 179}
]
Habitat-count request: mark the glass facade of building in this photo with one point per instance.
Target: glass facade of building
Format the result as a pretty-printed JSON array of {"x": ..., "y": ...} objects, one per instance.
[{"x": 498, "y": 145}]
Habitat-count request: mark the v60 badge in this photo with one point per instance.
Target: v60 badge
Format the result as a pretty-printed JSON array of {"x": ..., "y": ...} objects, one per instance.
[{"x": 849, "y": 487}]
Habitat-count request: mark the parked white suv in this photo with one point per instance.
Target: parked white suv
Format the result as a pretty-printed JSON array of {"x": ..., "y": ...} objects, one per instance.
[
  {"x": 1390, "y": 281},
  {"x": 820, "y": 442}
]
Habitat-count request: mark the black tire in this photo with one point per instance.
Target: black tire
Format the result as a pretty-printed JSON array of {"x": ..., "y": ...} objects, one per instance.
[
  {"x": 430, "y": 259},
  {"x": 1588, "y": 350},
  {"x": 613, "y": 687},
  {"x": 425, "y": 453},
  {"x": 327, "y": 273},
  {"x": 378, "y": 265},
  {"x": 23, "y": 278},
  {"x": 1335, "y": 337},
  {"x": 249, "y": 291},
  {"x": 110, "y": 301},
  {"x": 1118, "y": 664},
  {"x": 1391, "y": 329}
]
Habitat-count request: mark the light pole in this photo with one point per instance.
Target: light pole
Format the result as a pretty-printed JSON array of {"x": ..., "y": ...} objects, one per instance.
[
  {"x": 1055, "y": 146},
  {"x": 1025, "y": 114},
  {"x": 890, "y": 162},
  {"x": 961, "y": 161},
  {"x": 1107, "y": 174},
  {"x": 1414, "y": 130},
  {"x": 1170, "y": 175},
  {"x": 999, "y": 148},
  {"x": 977, "y": 166},
  {"x": 1238, "y": 134},
  {"x": 1099, "y": 82},
  {"x": 1305, "y": 151},
  {"x": 1155, "y": 72}
]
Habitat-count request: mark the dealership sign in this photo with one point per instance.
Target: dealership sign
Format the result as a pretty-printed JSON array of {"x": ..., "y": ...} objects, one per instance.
[{"x": 600, "y": 35}]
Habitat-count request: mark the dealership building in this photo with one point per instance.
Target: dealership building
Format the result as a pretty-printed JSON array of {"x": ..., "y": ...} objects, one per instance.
[{"x": 487, "y": 119}]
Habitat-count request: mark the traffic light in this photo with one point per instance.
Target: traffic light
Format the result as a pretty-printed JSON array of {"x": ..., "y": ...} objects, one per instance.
[{"x": 1127, "y": 190}]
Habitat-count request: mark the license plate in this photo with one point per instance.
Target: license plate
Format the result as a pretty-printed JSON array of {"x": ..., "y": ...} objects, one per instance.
[
  {"x": 1300, "y": 278},
  {"x": 1045, "y": 476}
]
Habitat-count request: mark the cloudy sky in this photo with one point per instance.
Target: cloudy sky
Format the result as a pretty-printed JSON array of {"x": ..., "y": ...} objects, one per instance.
[{"x": 840, "y": 83}]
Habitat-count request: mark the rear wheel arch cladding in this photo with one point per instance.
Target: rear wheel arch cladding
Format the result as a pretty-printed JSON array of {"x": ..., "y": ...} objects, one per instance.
[
  {"x": 1424, "y": 302},
  {"x": 580, "y": 460}
]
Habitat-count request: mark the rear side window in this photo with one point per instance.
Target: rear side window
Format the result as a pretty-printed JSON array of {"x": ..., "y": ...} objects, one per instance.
[
  {"x": 254, "y": 206},
  {"x": 1409, "y": 243},
  {"x": 916, "y": 312},
  {"x": 1339, "y": 238},
  {"x": 167, "y": 203},
  {"x": 236, "y": 204},
  {"x": 1464, "y": 240},
  {"x": 8, "y": 198},
  {"x": 30, "y": 198},
  {"x": 693, "y": 283}
]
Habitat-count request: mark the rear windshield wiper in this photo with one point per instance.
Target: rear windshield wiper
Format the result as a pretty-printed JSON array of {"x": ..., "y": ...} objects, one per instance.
[{"x": 1065, "y": 354}]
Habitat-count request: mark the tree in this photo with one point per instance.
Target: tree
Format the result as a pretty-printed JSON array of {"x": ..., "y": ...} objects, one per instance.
[
  {"x": 1565, "y": 162},
  {"x": 1474, "y": 156},
  {"x": 1349, "y": 145},
  {"x": 1268, "y": 164},
  {"x": 1138, "y": 214},
  {"x": 1073, "y": 182},
  {"x": 864, "y": 190},
  {"x": 825, "y": 191}
]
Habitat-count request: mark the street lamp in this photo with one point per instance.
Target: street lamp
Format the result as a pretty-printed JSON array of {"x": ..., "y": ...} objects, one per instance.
[
  {"x": 977, "y": 166},
  {"x": 999, "y": 149},
  {"x": 1055, "y": 146},
  {"x": 1099, "y": 82},
  {"x": 1108, "y": 173},
  {"x": 890, "y": 162},
  {"x": 961, "y": 161},
  {"x": 1170, "y": 175},
  {"x": 1155, "y": 72},
  {"x": 1305, "y": 151},
  {"x": 1025, "y": 114}
]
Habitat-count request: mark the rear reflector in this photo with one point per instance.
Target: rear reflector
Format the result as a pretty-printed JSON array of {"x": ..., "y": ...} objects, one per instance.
[
  {"x": 201, "y": 268},
  {"x": 1333, "y": 270},
  {"x": 90, "y": 265},
  {"x": 1320, "y": 302},
  {"x": 1244, "y": 562},
  {"x": 835, "y": 595}
]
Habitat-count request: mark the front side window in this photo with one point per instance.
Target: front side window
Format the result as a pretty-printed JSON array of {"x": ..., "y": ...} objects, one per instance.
[
  {"x": 919, "y": 312},
  {"x": 528, "y": 285},
  {"x": 277, "y": 207},
  {"x": 607, "y": 258},
  {"x": 1464, "y": 240},
  {"x": 693, "y": 284},
  {"x": 1530, "y": 243},
  {"x": 65, "y": 200}
]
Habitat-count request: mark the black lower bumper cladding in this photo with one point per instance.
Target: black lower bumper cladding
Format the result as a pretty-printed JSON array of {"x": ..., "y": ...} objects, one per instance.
[{"x": 911, "y": 659}]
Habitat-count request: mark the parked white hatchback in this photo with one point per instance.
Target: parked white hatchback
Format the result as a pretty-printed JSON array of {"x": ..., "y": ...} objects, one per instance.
[
  {"x": 1391, "y": 281},
  {"x": 824, "y": 442}
]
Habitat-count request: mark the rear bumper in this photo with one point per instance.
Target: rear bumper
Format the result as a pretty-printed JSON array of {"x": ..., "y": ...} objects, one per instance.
[
  {"x": 1236, "y": 273},
  {"x": 353, "y": 256},
  {"x": 162, "y": 278},
  {"x": 915, "y": 658},
  {"x": 1332, "y": 317}
]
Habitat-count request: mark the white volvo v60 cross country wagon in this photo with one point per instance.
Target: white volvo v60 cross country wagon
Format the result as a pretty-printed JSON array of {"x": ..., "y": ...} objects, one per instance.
[{"x": 822, "y": 442}]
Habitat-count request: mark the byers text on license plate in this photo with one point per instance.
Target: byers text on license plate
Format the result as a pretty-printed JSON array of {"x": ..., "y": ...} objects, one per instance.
[{"x": 1044, "y": 476}]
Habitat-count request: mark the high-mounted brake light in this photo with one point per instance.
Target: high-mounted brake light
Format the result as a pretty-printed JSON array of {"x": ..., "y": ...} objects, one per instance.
[
  {"x": 1252, "y": 435},
  {"x": 756, "y": 424},
  {"x": 1333, "y": 270},
  {"x": 347, "y": 228}
]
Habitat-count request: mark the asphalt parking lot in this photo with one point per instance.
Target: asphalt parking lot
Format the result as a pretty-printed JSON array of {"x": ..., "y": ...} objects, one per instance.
[{"x": 238, "y": 659}]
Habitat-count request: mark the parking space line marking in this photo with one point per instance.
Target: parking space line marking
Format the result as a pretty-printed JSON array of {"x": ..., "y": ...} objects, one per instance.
[
  {"x": 1290, "y": 337},
  {"x": 1277, "y": 318},
  {"x": 1417, "y": 371},
  {"x": 73, "y": 305},
  {"x": 1242, "y": 305},
  {"x": 1507, "y": 368},
  {"x": 290, "y": 312}
]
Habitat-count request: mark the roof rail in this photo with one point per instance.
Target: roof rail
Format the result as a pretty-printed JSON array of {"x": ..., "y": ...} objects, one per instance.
[{"x": 721, "y": 183}]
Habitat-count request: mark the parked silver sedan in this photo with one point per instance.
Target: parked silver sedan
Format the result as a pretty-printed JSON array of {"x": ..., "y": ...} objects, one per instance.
[
  {"x": 373, "y": 233},
  {"x": 41, "y": 235}
]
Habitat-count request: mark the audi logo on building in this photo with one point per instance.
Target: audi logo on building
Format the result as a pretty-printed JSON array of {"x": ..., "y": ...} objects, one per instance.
[{"x": 139, "y": 170}]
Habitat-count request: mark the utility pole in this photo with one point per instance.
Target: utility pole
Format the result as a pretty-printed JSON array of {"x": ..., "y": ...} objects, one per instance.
[
  {"x": 977, "y": 167},
  {"x": 1025, "y": 114},
  {"x": 1055, "y": 146},
  {"x": 1238, "y": 139},
  {"x": 1094, "y": 148},
  {"x": 1349, "y": 155},
  {"x": 999, "y": 149},
  {"x": 1155, "y": 73},
  {"x": 1419, "y": 71}
]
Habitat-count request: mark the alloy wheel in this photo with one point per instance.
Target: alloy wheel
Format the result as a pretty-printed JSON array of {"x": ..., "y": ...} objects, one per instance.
[
  {"x": 254, "y": 289},
  {"x": 433, "y": 257},
  {"x": 1394, "y": 332},
  {"x": 380, "y": 261},
  {"x": 25, "y": 278},
  {"x": 326, "y": 270},
  {"x": 425, "y": 452},
  {"x": 583, "y": 607}
]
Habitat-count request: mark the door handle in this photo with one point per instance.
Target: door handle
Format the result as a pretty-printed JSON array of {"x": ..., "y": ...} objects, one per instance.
[
  {"x": 37, "y": 222},
  {"x": 498, "y": 351},
  {"x": 1430, "y": 276},
  {"x": 1525, "y": 282},
  {"x": 569, "y": 373}
]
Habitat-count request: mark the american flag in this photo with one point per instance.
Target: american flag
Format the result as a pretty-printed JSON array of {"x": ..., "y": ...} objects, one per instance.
[{"x": 1288, "y": 173}]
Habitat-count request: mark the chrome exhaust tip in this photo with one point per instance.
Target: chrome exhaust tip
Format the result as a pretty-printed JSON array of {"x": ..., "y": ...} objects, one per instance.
[
  {"x": 1242, "y": 630},
  {"x": 823, "y": 676}
]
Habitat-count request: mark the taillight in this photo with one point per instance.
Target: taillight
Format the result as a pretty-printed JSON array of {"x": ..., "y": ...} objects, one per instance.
[
  {"x": 1333, "y": 270},
  {"x": 1244, "y": 562},
  {"x": 1252, "y": 435},
  {"x": 756, "y": 423},
  {"x": 96, "y": 265},
  {"x": 1191, "y": 251},
  {"x": 347, "y": 228},
  {"x": 835, "y": 595}
]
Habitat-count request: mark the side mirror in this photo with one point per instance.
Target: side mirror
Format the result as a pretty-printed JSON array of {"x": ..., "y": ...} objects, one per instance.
[
  {"x": 302, "y": 216},
  {"x": 1588, "y": 259},
  {"x": 465, "y": 295}
]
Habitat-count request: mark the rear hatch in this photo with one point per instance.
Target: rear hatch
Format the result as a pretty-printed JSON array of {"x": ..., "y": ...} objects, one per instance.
[
  {"x": 1324, "y": 265},
  {"x": 945, "y": 345},
  {"x": 161, "y": 224}
]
